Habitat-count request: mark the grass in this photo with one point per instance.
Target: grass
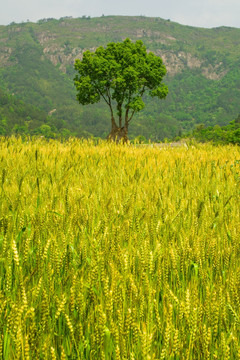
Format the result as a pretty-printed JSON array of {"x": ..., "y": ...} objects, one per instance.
[{"x": 118, "y": 252}]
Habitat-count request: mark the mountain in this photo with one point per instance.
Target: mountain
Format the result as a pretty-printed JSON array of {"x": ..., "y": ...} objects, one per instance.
[{"x": 36, "y": 67}]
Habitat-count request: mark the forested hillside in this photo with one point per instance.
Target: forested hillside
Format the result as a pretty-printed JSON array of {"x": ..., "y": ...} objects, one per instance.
[
  {"x": 36, "y": 72},
  {"x": 218, "y": 134}
]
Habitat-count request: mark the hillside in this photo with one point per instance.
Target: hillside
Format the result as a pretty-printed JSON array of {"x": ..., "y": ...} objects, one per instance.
[
  {"x": 18, "y": 117},
  {"x": 36, "y": 65}
]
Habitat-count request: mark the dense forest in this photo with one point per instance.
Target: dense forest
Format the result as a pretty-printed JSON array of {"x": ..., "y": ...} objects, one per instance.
[
  {"x": 218, "y": 134},
  {"x": 36, "y": 76}
]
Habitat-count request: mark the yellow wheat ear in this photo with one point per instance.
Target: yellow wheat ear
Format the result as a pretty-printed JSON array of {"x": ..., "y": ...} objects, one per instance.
[{"x": 118, "y": 252}]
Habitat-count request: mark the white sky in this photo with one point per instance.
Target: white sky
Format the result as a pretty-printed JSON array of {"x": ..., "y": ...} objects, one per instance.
[{"x": 203, "y": 13}]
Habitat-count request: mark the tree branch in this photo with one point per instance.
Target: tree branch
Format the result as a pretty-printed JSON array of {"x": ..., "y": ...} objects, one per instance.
[
  {"x": 131, "y": 116},
  {"x": 142, "y": 92},
  {"x": 119, "y": 107},
  {"x": 111, "y": 109},
  {"x": 100, "y": 92},
  {"x": 127, "y": 110}
]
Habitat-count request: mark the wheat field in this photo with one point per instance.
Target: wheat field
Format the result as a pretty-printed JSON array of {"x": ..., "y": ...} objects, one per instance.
[{"x": 119, "y": 252}]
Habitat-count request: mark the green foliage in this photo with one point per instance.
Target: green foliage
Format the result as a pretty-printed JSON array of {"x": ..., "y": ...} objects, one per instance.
[
  {"x": 121, "y": 72},
  {"x": 19, "y": 118},
  {"x": 229, "y": 134}
]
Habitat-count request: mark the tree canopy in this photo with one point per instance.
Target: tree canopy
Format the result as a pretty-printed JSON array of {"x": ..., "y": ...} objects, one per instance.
[{"x": 120, "y": 74}]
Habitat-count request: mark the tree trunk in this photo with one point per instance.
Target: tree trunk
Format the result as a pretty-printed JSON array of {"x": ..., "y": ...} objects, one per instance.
[{"x": 118, "y": 134}]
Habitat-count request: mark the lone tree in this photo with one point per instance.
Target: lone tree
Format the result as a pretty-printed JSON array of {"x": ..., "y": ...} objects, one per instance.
[{"x": 120, "y": 74}]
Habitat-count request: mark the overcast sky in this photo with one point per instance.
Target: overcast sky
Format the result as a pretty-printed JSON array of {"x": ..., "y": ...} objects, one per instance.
[{"x": 203, "y": 13}]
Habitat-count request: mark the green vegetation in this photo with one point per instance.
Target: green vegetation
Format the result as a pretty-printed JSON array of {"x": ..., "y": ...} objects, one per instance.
[
  {"x": 19, "y": 118},
  {"x": 37, "y": 65},
  {"x": 118, "y": 252},
  {"x": 229, "y": 134},
  {"x": 120, "y": 74}
]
